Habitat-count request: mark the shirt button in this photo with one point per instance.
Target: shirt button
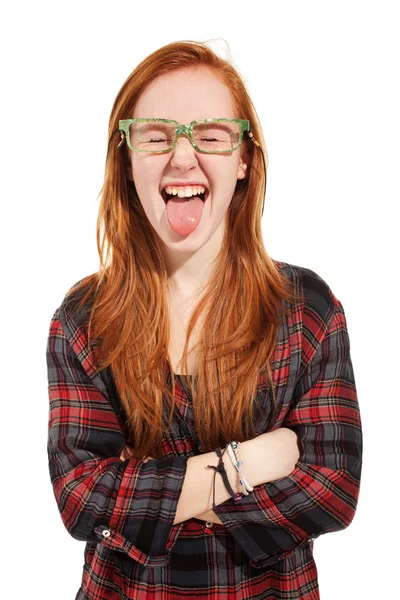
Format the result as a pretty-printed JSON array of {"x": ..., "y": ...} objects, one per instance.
[
  {"x": 106, "y": 533},
  {"x": 207, "y": 527}
]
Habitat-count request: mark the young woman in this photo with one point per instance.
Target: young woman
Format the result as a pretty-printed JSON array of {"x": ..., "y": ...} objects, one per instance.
[{"x": 204, "y": 426}]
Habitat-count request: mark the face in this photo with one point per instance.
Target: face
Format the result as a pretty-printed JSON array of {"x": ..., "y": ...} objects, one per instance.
[{"x": 184, "y": 96}]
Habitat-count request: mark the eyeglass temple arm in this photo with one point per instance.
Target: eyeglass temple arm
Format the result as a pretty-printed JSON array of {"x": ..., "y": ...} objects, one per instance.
[
  {"x": 122, "y": 140},
  {"x": 253, "y": 139}
]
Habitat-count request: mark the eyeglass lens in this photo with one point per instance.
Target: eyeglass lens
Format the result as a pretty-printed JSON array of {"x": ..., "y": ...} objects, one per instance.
[{"x": 155, "y": 136}]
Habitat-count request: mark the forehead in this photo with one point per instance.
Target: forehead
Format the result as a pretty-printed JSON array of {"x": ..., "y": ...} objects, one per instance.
[{"x": 185, "y": 95}]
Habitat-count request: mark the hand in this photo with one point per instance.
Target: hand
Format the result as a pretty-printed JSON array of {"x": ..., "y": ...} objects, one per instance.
[
  {"x": 124, "y": 456},
  {"x": 209, "y": 515}
]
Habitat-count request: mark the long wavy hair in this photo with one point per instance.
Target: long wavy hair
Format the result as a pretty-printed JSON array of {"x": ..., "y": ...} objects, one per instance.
[{"x": 241, "y": 306}]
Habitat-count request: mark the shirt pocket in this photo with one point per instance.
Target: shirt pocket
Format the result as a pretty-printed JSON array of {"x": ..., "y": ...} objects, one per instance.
[
  {"x": 124, "y": 564},
  {"x": 101, "y": 561}
]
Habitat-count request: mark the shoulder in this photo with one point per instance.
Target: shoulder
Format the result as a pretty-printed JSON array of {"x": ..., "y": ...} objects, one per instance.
[
  {"x": 70, "y": 323},
  {"x": 71, "y": 319},
  {"x": 71, "y": 308},
  {"x": 317, "y": 294}
]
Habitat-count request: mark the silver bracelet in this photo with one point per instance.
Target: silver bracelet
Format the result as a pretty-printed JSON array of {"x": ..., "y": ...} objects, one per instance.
[
  {"x": 234, "y": 462},
  {"x": 233, "y": 451}
]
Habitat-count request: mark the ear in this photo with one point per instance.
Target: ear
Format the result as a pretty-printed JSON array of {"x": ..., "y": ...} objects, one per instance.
[
  {"x": 244, "y": 162},
  {"x": 242, "y": 168}
]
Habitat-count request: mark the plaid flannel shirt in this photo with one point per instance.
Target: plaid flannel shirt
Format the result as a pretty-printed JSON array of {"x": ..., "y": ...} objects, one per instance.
[{"x": 124, "y": 510}]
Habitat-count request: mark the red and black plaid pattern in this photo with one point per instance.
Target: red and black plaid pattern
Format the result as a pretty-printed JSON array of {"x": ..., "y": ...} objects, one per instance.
[{"x": 124, "y": 510}]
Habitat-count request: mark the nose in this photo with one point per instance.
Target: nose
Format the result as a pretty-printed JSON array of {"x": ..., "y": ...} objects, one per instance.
[{"x": 183, "y": 155}]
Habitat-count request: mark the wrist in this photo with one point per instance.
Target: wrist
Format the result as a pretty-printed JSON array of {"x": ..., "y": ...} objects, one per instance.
[
  {"x": 248, "y": 453},
  {"x": 232, "y": 474}
]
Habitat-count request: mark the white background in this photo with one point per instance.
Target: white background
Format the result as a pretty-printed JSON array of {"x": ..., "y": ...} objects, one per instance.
[{"x": 324, "y": 80}]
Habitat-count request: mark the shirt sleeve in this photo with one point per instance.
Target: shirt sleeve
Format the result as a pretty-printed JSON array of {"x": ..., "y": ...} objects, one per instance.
[
  {"x": 321, "y": 493},
  {"x": 129, "y": 505}
]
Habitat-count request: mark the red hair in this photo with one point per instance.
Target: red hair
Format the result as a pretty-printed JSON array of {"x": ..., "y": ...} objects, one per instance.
[{"x": 241, "y": 306}]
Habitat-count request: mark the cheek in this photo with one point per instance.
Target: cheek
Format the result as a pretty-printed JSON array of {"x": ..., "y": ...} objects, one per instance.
[
  {"x": 146, "y": 171},
  {"x": 222, "y": 172},
  {"x": 137, "y": 168}
]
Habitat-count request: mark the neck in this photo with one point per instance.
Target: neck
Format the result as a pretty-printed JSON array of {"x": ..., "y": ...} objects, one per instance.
[{"x": 189, "y": 272}]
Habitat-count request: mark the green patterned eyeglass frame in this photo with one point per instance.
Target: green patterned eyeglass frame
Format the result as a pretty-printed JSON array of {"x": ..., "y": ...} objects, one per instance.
[{"x": 124, "y": 124}]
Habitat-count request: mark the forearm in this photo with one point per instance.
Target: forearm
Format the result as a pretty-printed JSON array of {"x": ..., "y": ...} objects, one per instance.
[
  {"x": 208, "y": 515},
  {"x": 265, "y": 458},
  {"x": 278, "y": 451}
]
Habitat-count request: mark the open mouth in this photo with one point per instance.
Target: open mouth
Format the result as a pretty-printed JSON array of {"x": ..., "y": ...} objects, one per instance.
[{"x": 167, "y": 197}]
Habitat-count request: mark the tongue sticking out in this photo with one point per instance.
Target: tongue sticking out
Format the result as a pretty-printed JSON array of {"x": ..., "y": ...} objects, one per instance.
[{"x": 184, "y": 214}]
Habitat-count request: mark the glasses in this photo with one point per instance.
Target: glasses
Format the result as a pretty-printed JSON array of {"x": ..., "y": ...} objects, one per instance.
[{"x": 212, "y": 136}]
